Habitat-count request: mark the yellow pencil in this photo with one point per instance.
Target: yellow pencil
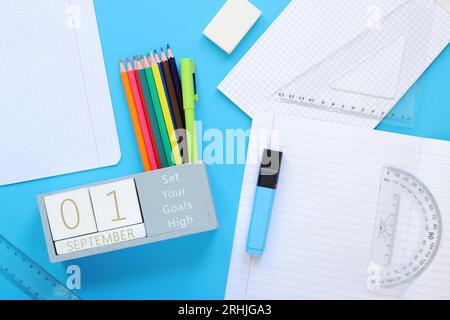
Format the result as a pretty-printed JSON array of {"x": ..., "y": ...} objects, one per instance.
[{"x": 166, "y": 111}]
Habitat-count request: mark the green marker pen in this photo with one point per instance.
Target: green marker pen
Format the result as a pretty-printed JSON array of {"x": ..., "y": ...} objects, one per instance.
[{"x": 190, "y": 97}]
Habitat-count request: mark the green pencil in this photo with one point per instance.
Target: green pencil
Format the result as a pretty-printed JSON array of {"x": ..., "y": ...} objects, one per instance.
[
  {"x": 158, "y": 111},
  {"x": 151, "y": 114}
]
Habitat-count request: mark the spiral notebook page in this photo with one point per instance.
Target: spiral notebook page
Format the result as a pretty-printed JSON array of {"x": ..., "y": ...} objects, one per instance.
[
  {"x": 322, "y": 226},
  {"x": 56, "y": 115},
  {"x": 318, "y": 62}
]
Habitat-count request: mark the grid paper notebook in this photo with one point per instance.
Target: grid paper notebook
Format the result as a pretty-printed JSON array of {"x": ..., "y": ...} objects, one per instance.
[
  {"x": 347, "y": 61},
  {"x": 56, "y": 115},
  {"x": 323, "y": 220}
]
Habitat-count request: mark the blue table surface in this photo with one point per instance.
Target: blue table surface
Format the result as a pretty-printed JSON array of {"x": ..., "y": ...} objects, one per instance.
[{"x": 193, "y": 267}]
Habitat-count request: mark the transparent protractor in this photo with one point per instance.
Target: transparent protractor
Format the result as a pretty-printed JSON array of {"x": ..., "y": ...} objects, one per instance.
[{"x": 390, "y": 267}]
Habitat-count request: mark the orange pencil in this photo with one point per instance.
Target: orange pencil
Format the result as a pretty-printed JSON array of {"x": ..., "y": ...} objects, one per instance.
[
  {"x": 141, "y": 115},
  {"x": 134, "y": 118}
]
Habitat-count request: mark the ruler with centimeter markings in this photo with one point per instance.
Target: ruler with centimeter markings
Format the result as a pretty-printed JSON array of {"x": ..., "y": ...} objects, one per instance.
[
  {"x": 403, "y": 114},
  {"x": 405, "y": 111},
  {"x": 28, "y": 276}
]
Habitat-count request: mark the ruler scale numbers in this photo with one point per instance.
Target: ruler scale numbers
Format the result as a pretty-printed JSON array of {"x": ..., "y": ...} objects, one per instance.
[
  {"x": 397, "y": 262},
  {"x": 402, "y": 115},
  {"x": 28, "y": 276},
  {"x": 330, "y": 106}
]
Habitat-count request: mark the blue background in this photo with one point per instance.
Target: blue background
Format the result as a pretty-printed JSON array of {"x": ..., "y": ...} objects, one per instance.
[{"x": 194, "y": 267}]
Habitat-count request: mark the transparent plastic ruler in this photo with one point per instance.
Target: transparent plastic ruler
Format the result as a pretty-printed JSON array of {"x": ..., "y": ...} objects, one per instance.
[
  {"x": 28, "y": 276},
  {"x": 406, "y": 234},
  {"x": 405, "y": 112},
  {"x": 342, "y": 84}
]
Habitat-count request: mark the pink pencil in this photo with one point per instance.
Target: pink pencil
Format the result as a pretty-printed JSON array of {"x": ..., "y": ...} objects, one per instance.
[{"x": 141, "y": 116}]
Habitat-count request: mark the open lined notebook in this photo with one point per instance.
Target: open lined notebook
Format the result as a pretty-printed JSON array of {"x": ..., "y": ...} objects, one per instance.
[
  {"x": 56, "y": 115},
  {"x": 346, "y": 61},
  {"x": 324, "y": 220}
]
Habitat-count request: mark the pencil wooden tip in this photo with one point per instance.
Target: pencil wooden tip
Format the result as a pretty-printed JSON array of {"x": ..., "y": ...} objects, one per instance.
[
  {"x": 169, "y": 53},
  {"x": 151, "y": 59},
  {"x": 163, "y": 56},
  {"x": 144, "y": 62},
  {"x": 129, "y": 66},
  {"x": 145, "y": 59},
  {"x": 135, "y": 63},
  {"x": 139, "y": 64}
]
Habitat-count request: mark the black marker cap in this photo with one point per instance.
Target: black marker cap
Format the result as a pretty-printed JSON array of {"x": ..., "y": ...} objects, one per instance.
[{"x": 270, "y": 169}]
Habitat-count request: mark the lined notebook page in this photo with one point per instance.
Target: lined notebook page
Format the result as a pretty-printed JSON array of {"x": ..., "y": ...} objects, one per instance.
[
  {"x": 320, "y": 236},
  {"x": 56, "y": 115},
  {"x": 309, "y": 32}
]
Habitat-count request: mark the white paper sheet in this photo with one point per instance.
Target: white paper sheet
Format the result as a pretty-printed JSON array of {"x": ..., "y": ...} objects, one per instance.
[
  {"x": 347, "y": 61},
  {"x": 56, "y": 115},
  {"x": 323, "y": 219}
]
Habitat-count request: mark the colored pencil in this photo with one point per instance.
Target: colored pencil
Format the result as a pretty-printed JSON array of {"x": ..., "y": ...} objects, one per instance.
[
  {"x": 141, "y": 115},
  {"x": 161, "y": 72},
  {"x": 151, "y": 114},
  {"x": 181, "y": 130},
  {"x": 145, "y": 108},
  {"x": 134, "y": 118},
  {"x": 158, "y": 112},
  {"x": 165, "y": 110},
  {"x": 158, "y": 62},
  {"x": 176, "y": 80}
]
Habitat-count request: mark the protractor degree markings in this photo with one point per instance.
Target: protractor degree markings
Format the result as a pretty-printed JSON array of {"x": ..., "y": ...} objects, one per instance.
[{"x": 395, "y": 181}]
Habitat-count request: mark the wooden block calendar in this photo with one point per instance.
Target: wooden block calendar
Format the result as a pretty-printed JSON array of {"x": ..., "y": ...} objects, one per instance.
[{"x": 127, "y": 212}]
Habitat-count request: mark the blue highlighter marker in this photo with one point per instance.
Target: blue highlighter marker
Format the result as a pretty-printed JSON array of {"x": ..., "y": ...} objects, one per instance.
[{"x": 263, "y": 202}]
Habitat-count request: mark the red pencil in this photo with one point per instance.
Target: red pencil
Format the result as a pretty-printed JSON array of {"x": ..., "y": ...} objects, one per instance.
[
  {"x": 137, "y": 67},
  {"x": 142, "y": 121}
]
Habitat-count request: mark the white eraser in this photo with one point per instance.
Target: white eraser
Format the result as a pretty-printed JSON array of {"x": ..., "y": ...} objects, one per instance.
[
  {"x": 231, "y": 24},
  {"x": 445, "y": 4}
]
